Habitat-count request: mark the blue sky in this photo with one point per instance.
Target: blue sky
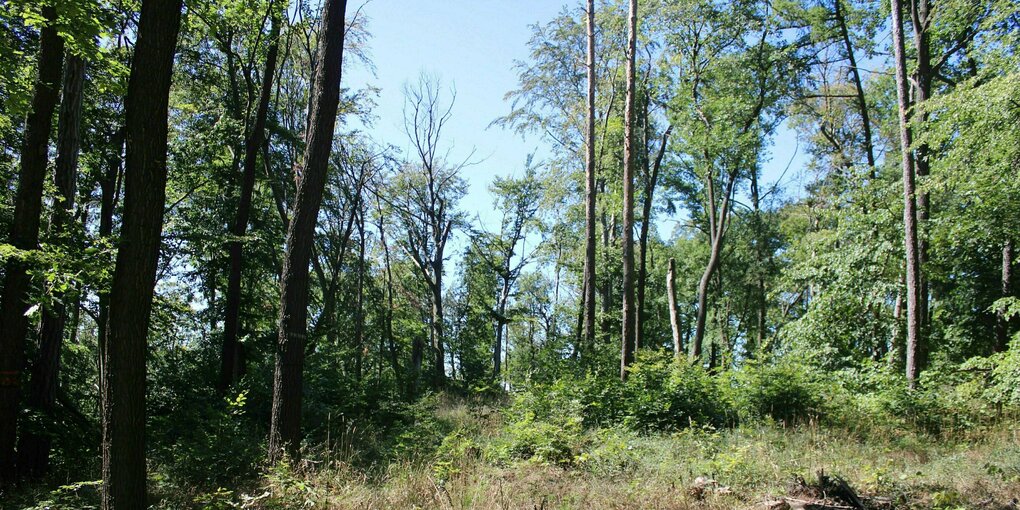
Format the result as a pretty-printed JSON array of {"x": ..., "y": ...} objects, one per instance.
[{"x": 472, "y": 45}]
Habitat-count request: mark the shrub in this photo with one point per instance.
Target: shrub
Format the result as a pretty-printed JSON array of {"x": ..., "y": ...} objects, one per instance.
[
  {"x": 783, "y": 391},
  {"x": 663, "y": 394}
]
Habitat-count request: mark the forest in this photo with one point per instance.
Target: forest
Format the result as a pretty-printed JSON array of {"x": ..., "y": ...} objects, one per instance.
[{"x": 224, "y": 288}]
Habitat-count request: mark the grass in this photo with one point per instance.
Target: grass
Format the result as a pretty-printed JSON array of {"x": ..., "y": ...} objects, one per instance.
[
  {"x": 616, "y": 468},
  {"x": 476, "y": 466}
]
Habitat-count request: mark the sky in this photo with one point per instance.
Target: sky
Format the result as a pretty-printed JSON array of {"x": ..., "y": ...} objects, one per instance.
[{"x": 471, "y": 45}]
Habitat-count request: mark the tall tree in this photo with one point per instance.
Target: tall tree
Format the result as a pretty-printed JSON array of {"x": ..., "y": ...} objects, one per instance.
[
  {"x": 134, "y": 277},
  {"x": 34, "y": 449},
  {"x": 429, "y": 189},
  {"x": 285, "y": 421},
  {"x": 232, "y": 362},
  {"x": 589, "y": 184},
  {"x": 910, "y": 214},
  {"x": 629, "y": 336},
  {"x": 25, "y": 233}
]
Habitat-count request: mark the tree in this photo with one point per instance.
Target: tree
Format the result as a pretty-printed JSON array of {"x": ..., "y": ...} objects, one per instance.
[
  {"x": 34, "y": 449},
  {"x": 285, "y": 422},
  {"x": 428, "y": 191},
  {"x": 134, "y": 277},
  {"x": 232, "y": 363},
  {"x": 24, "y": 234},
  {"x": 629, "y": 336},
  {"x": 589, "y": 184},
  {"x": 518, "y": 200},
  {"x": 910, "y": 214}
]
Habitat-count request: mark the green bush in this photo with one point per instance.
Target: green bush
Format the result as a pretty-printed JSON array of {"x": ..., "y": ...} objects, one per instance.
[
  {"x": 783, "y": 391},
  {"x": 664, "y": 394}
]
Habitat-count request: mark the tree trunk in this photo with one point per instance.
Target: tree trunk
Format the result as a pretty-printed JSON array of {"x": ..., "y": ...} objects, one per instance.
[
  {"x": 913, "y": 277},
  {"x": 285, "y": 422},
  {"x": 717, "y": 228},
  {"x": 34, "y": 449},
  {"x": 862, "y": 103},
  {"x": 1002, "y": 323},
  {"x": 388, "y": 324},
  {"x": 922, "y": 85},
  {"x": 359, "y": 317},
  {"x": 646, "y": 221},
  {"x": 134, "y": 277},
  {"x": 589, "y": 188},
  {"x": 674, "y": 318},
  {"x": 25, "y": 235},
  {"x": 438, "y": 337},
  {"x": 628, "y": 336},
  {"x": 232, "y": 366}
]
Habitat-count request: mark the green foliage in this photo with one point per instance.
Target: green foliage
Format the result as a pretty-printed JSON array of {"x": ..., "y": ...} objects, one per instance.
[
  {"x": 664, "y": 394},
  {"x": 782, "y": 390}
]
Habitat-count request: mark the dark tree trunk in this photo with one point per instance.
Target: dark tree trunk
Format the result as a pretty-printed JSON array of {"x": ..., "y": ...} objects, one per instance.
[
  {"x": 34, "y": 449},
  {"x": 589, "y": 188},
  {"x": 628, "y": 336},
  {"x": 25, "y": 235},
  {"x": 922, "y": 86},
  {"x": 388, "y": 317},
  {"x": 438, "y": 329},
  {"x": 674, "y": 318},
  {"x": 359, "y": 318},
  {"x": 1003, "y": 323},
  {"x": 134, "y": 277},
  {"x": 232, "y": 366},
  {"x": 862, "y": 103},
  {"x": 910, "y": 216},
  {"x": 285, "y": 423},
  {"x": 652, "y": 176}
]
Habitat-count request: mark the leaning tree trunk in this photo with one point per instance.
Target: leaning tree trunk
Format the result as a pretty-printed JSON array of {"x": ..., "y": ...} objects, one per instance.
[
  {"x": 285, "y": 421},
  {"x": 589, "y": 189},
  {"x": 913, "y": 277},
  {"x": 25, "y": 235},
  {"x": 134, "y": 276},
  {"x": 34, "y": 449},
  {"x": 628, "y": 336},
  {"x": 232, "y": 365}
]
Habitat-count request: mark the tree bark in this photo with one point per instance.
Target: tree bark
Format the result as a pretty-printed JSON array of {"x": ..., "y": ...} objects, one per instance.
[
  {"x": 922, "y": 86},
  {"x": 34, "y": 449},
  {"x": 134, "y": 277},
  {"x": 674, "y": 318},
  {"x": 1002, "y": 323},
  {"x": 628, "y": 336},
  {"x": 285, "y": 421},
  {"x": 232, "y": 366},
  {"x": 913, "y": 276},
  {"x": 24, "y": 235},
  {"x": 589, "y": 187}
]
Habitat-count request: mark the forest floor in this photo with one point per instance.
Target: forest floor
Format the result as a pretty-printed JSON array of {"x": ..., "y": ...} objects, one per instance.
[
  {"x": 765, "y": 467},
  {"x": 472, "y": 462}
]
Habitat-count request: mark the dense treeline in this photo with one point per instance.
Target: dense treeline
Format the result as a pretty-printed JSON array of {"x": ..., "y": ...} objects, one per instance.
[{"x": 208, "y": 257}]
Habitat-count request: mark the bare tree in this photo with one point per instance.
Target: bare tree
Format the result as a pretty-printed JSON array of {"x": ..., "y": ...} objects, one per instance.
[{"x": 428, "y": 190}]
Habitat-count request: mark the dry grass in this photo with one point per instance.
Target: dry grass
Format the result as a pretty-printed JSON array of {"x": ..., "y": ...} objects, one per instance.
[{"x": 623, "y": 470}]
